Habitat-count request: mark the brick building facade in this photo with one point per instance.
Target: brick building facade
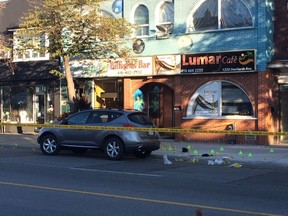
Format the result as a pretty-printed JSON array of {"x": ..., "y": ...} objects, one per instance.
[
  {"x": 178, "y": 90},
  {"x": 197, "y": 95}
]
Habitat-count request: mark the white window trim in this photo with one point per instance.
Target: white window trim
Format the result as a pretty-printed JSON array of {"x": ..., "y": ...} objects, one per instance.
[
  {"x": 140, "y": 26},
  {"x": 30, "y": 51}
]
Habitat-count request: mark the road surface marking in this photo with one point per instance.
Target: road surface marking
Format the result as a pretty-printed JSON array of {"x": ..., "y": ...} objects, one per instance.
[
  {"x": 139, "y": 199},
  {"x": 115, "y": 172}
]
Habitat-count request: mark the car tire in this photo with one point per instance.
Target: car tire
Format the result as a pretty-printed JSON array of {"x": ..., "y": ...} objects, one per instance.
[
  {"x": 114, "y": 148},
  {"x": 49, "y": 145},
  {"x": 142, "y": 153}
]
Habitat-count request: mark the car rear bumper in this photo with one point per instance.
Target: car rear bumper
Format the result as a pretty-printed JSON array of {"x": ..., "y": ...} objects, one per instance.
[{"x": 149, "y": 145}]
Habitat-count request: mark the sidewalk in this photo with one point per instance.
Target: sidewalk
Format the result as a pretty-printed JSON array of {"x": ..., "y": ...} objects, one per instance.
[
  {"x": 202, "y": 153},
  {"x": 223, "y": 154}
]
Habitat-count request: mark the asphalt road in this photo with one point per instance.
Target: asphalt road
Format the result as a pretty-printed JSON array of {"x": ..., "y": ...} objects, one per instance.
[{"x": 69, "y": 184}]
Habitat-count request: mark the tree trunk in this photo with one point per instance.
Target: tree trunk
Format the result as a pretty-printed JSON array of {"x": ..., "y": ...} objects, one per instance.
[{"x": 70, "y": 85}]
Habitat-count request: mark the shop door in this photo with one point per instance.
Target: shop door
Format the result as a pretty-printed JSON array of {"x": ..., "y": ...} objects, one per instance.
[
  {"x": 40, "y": 109},
  {"x": 284, "y": 114},
  {"x": 160, "y": 106}
]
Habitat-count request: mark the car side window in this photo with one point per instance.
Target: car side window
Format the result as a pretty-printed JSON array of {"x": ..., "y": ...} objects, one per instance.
[
  {"x": 77, "y": 119},
  {"x": 103, "y": 116},
  {"x": 114, "y": 115},
  {"x": 95, "y": 117},
  {"x": 139, "y": 118}
]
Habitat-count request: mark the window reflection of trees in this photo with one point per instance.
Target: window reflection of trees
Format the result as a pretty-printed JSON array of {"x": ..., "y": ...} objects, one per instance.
[
  {"x": 141, "y": 18},
  {"x": 233, "y": 14},
  {"x": 166, "y": 13}
]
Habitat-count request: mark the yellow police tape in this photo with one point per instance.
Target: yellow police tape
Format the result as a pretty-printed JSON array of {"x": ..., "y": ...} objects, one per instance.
[{"x": 169, "y": 130}]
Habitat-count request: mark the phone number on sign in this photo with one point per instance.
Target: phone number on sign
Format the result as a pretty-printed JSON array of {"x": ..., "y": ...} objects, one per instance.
[{"x": 196, "y": 70}]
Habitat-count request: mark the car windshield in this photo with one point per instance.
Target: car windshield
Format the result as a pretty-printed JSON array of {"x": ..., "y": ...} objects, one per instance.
[{"x": 139, "y": 118}]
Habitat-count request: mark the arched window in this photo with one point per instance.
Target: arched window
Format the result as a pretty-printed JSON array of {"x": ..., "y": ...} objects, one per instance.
[
  {"x": 165, "y": 16},
  {"x": 141, "y": 18},
  {"x": 219, "y": 98},
  {"x": 219, "y": 14}
]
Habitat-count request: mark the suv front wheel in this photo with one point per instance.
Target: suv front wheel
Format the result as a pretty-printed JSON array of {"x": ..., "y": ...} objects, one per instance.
[
  {"x": 49, "y": 145},
  {"x": 114, "y": 148}
]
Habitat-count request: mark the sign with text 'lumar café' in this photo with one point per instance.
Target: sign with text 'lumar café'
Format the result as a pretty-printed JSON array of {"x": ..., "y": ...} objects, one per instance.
[{"x": 223, "y": 62}]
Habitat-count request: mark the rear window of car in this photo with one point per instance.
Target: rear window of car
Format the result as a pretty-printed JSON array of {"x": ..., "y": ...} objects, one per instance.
[{"x": 139, "y": 118}]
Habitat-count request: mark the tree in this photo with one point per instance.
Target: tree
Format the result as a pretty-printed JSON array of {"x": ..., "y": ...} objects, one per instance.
[
  {"x": 2, "y": 41},
  {"x": 75, "y": 28}
]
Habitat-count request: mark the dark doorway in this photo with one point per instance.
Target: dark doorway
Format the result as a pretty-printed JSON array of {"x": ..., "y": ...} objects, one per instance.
[
  {"x": 158, "y": 103},
  {"x": 284, "y": 112}
]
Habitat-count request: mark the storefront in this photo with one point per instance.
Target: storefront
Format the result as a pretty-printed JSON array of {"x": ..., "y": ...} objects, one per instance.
[
  {"x": 280, "y": 70},
  {"x": 209, "y": 91},
  {"x": 29, "y": 93}
]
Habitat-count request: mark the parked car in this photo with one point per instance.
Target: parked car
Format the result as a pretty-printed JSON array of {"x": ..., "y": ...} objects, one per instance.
[{"x": 114, "y": 143}]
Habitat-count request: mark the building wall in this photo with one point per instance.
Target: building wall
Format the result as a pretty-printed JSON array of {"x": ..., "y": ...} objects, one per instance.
[
  {"x": 259, "y": 37},
  {"x": 281, "y": 29},
  {"x": 259, "y": 85}
]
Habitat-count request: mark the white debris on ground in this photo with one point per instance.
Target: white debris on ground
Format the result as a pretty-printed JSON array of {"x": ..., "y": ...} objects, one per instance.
[
  {"x": 219, "y": 161},
  {"x": 166, "y": 160}
]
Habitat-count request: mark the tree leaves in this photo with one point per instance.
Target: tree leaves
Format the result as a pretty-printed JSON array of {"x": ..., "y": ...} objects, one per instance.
[{"x": 75, "y": 28}]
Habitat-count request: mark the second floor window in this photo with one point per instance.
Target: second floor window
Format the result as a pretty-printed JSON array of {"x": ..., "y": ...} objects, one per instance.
[
  {"x": 219, "y": 14},
  {"x": 165, "y": 18},
  {"x": 29, "y": 48},
  {"x": 141, "y": 19}
]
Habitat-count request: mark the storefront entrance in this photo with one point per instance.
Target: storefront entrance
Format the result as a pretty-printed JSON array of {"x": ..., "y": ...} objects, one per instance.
[
  {"x": 157, "y": 100},
  {"x": 284, "y": 112}
]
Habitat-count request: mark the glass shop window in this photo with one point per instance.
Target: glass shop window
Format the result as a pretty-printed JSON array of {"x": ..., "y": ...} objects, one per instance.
[
  {"x": 220, "y": 98},
  {"x": 17, "y": 104},
  {"x": 141, "y": 19},
  {"x": 165, "y": 16},
  {"x": 219, "y": 14}
]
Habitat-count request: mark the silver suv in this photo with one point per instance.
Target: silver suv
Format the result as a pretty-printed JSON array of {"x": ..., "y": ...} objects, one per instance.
[{"x": 115, "y": 143}]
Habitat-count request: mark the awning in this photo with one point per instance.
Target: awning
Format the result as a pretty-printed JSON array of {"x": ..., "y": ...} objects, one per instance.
[
  {"x": 278, "y": 64},
  {"x": 30, "y": 72}
]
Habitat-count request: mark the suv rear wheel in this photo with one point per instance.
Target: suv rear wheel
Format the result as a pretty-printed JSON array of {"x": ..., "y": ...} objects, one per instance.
[{"x": 114, "y": 148}]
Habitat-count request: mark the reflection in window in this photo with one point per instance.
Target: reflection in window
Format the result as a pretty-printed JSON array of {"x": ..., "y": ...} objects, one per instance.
[
  {"x": 219, "y": 98},
  {"x": 141, "y": 18},
  {"x": 206, "y": 16},
  {"x": 139, "y": 100},
  {"x": 166, "y": 16},
  {"x": 233, "y": 14},
  {"x": 17, "y": 100},
  {"x": 77, "y": 119},
  {"x": 154, "y": 102}
]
